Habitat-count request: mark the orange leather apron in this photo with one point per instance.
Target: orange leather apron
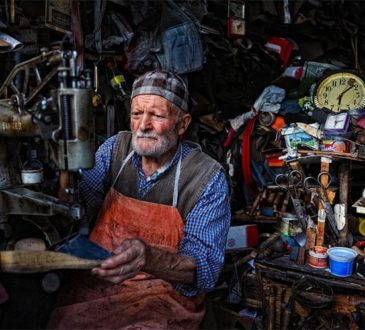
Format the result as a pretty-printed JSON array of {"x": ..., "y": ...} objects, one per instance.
[{"x": 143, "y": 301}]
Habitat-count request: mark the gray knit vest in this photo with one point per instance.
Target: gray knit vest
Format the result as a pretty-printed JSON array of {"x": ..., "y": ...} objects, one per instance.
[{"x": 197, "y": 168}]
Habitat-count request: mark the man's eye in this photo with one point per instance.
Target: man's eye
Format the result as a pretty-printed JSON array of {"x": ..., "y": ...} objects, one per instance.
[
  {"x": 136, "y": 114},
  {"x": 158, "y": 116}
]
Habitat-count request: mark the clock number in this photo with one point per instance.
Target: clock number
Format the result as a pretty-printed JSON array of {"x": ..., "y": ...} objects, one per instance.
[
  {"x": 325, "y": 95},
  {"x": 356, "y": 87},
  {"x": 325, "y": 102},
  {"x": 355, "y": 102},
  {"x": 334, "y": 83},
  {"x": 328, "y": 88},
  {"x": 342, "y": 81}
]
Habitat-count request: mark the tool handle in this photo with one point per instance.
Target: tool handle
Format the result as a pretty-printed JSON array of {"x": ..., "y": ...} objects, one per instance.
[
  {"x": 286, "y": 318},
  {"x": 270, "y": 240},
  {"x": 41, "y": 261}
]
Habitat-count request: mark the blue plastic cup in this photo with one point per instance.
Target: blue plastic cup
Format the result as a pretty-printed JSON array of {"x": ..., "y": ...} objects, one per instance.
[{"x": 341, "y": 261}]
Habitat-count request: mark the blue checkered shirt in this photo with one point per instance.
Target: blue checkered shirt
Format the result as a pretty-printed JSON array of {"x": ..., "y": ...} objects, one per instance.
[{"x": 206, "y": 226}]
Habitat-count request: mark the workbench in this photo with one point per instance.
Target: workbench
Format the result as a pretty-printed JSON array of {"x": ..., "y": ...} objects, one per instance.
[{"x": 275, "y": 279}]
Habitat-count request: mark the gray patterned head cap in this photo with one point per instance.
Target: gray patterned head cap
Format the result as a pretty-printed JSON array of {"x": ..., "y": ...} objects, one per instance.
[{"x": 163, "y": 83}]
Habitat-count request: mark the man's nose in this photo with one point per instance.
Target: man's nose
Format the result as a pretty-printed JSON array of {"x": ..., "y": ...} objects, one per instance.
[{"x": 145, "y": 122}]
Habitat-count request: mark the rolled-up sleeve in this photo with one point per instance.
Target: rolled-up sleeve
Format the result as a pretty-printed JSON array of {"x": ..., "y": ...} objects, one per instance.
[{"x": 205, "y": 235}]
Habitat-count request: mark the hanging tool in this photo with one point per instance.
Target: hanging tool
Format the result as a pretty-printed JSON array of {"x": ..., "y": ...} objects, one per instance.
[
  {"x": 287, "y": 311},
  {"x": 291, "y": 182},
  {"x": 97, "y": 99},
  {"x": 12, "y": 11},
  {"x": 259, "y": 198},
  {"x": 311, "y": 183},
  {"x": 289, "y": 308}
]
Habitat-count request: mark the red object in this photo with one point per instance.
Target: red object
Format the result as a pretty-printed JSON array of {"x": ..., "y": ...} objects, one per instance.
[
  {"x": 281, "y": 46},
  {"x": 360, "y": 244},
  {"x": 229, "y": 138},
  {"x": 278, "y": 124},
  {"x": 274, "y": 161},
  {"x": 252, "y": 235}
]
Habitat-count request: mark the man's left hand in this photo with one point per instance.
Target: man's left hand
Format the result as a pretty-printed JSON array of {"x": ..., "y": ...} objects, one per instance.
[{"x": 128, "y": 260}]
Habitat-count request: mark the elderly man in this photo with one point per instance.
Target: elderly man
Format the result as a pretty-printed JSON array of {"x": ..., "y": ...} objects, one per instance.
[{"x": 165, "y": 215}]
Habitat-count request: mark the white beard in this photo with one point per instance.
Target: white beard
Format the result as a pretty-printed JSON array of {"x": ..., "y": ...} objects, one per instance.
[{"x": 163, "y": 143}]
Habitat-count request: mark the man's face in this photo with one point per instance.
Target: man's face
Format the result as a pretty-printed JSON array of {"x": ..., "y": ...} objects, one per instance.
[{"x": 155, "y": 125}]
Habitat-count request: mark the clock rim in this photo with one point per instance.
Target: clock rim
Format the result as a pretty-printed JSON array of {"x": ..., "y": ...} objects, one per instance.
[{"x": 329, "y": 73}]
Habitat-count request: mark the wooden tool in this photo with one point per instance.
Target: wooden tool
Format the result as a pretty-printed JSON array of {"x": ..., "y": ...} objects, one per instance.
[
  {"x": 325, "y": 167},
  {"x": 42, "y": 261},
  {"x": 344, "y": 178},
  {"x": 271, "y": 317}
]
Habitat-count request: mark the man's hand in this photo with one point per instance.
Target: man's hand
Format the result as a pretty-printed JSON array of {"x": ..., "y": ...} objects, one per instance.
[
  {"x": 128, "y": 261},
  {"x": 134, "y": 256}
]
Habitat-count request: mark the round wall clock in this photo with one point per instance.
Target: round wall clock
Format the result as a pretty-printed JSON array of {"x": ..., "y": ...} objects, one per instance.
[{"x": 340, "y": 90}]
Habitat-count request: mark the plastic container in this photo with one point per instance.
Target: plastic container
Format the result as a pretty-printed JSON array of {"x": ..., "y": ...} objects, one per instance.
[{"x": 341, "y": 261}]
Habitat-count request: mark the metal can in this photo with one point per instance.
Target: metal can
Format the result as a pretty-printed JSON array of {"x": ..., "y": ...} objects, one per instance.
[
  {"x": 317, "y": 257},
  {"x": 336, "y": 144}
]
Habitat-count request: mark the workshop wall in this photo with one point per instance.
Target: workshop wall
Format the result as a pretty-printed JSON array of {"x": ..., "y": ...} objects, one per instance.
[{"x": 274, "y": 85}]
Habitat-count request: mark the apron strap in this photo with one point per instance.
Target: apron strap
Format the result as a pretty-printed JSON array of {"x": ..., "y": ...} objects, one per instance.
[
  {"x": 123, "y": 165},
  {"x": 176, "y": 183}
]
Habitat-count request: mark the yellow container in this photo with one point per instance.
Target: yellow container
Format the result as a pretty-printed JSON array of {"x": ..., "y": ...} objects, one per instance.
[{"x": 362, "y": 226}]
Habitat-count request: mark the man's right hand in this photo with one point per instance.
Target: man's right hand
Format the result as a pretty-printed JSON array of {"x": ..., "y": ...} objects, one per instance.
[{"x": 129, "y": 259}]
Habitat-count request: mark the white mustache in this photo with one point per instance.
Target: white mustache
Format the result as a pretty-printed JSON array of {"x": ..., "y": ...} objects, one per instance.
[{"x": 146, "y": 136}]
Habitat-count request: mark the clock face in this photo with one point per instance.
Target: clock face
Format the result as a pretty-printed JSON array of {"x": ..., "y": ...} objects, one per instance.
[{"x": 340, "y": 91}]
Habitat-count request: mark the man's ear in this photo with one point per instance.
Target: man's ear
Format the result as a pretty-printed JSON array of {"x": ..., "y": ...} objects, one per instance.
[{"x": 183, "y": 123}]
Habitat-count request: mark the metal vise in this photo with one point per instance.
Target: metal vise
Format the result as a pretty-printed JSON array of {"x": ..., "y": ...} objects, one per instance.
[{"x": 62, "y": 122}]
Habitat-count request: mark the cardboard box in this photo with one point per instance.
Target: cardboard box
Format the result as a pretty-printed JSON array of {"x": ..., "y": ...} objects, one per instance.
[{"x": 242, "y": 237}]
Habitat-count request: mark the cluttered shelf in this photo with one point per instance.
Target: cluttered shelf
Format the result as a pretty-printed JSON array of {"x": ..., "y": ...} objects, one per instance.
[{"x": 282, "y": 268}]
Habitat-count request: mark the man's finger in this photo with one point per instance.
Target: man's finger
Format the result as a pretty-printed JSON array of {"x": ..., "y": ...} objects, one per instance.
[
  {"x": 124, "y": 257},
  {"x": 134, "y": 266}
]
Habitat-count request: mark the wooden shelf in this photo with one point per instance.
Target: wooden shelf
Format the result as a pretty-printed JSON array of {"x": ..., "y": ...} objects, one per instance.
[
  {"x": 254, "y": 218},
  {"x": 335, "y": 155},
  {"x": 285, "y": 269}
]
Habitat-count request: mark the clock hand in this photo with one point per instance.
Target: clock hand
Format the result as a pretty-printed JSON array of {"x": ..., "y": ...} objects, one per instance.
[
  {"x": 343, "y": 92},
  {"x": 337, "y": 121},
  {"x": 351, "y": 84}
]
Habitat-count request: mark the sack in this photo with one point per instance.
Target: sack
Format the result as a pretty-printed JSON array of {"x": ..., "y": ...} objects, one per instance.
[{"x": 182, "y": 50}]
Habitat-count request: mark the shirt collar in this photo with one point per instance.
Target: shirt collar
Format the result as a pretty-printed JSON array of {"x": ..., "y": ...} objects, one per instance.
[{"x": 138, "y": 164}]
